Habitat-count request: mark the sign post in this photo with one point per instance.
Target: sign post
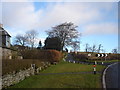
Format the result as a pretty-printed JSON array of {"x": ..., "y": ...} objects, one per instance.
[
  {"x": 94, "y": 69},
  {"x": 102, "y": 63},
  {"x": 105, "y": 56},
  {"x": 95, "y": 62}
]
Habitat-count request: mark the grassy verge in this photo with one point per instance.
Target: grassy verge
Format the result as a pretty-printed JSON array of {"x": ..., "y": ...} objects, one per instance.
[
  {"x": 88, "y": 80},
  {"x": 106, "y": 61},
  {"x": 71, "y": 67}
]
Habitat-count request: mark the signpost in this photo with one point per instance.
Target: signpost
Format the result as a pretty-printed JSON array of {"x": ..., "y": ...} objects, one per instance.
[
  {"x": 105, "y": 56},
  {"x": 102, "y": 55},
  {"x": 95, "y": 63},
  {"x": 99, "y": 55},
  {"x": 94, "y": 69}
]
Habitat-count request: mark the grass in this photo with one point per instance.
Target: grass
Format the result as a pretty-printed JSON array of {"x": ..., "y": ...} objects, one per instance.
[
  {"x": 88, "y": 80},
  {"x": 106, "y": 61},
  {"x": 70, "y": 67}
]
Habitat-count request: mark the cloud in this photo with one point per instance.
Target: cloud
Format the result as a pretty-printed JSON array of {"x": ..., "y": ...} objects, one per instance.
[
  {"x": 78, "y": 13},
  {"x": 21, "y": 16},
  {"x": 100, "y": 29},
  {"x": 60, "y": 0}
]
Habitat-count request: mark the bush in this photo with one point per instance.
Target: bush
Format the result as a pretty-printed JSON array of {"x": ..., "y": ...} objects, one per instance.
[
  {"x": 16, "y": 65},
  {"x": 114, "y": 56},
  {"x": 46, "y": 55},
  {"x": 54, "y": 56},
  {"x": 80, "y": 57}
]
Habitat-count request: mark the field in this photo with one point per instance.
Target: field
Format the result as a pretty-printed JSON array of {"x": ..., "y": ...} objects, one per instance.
[{"x": 64, "y": 75}]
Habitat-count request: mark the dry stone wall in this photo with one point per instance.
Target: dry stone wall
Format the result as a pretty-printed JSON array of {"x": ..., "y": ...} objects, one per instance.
[{"x": 13, "y": 78}]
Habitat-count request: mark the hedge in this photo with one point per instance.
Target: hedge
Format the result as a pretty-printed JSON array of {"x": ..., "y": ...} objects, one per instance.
[
  {"x": 48, "y": 55},
  {"x": 16, "y": 65}
]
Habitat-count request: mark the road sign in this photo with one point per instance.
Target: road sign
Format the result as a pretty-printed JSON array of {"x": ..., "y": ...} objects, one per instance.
[
  {"x": 101, "y": 55},
  {"x": 98, "y": 55},
  {"x": 106, "y": 55}
]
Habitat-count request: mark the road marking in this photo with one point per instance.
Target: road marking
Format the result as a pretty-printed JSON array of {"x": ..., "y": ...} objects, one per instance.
[{"x": 104, "y": 73}]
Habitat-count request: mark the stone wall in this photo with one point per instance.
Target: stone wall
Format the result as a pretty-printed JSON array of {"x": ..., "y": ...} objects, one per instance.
[
  {"x": 10, "y": 54},
  {"x": 13, "y": 78},
  {"x": 6, "y": 53}
]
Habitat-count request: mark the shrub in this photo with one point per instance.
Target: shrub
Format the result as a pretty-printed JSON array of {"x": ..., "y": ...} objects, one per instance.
[
  {"x": 46, "y": 55},
  {"x": 80, "y": 56},
  {"x": 114, "y": 56},
  {"x": 54, "y": 56},
  {"x": 16, "y": 65}
]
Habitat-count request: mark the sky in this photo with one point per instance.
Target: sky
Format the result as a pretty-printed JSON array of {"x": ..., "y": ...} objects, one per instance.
[{"x": 97, "y": 21}]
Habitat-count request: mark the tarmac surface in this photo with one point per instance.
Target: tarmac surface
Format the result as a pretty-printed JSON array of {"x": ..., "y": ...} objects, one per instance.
[{"x": 112, "y": 76}]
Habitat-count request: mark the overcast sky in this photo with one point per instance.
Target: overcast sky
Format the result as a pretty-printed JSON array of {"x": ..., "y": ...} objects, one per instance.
[{"x": 97, "y": 21}]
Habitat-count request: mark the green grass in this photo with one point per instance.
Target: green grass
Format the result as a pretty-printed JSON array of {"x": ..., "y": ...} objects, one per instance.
[
  {"x": 106, "y": 61},
  {"x": 70, "y": 67},
  {"x": 64, "y": 80}
]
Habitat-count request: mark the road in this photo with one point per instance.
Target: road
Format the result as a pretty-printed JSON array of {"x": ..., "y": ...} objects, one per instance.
[
  {"x": 112, "y": 79},
  {"x": 71, "y": 59},
  {"x": 112, "y": 76}
]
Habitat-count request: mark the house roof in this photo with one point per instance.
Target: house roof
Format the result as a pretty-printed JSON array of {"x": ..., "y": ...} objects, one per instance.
[{"x": 3, "y": 32}]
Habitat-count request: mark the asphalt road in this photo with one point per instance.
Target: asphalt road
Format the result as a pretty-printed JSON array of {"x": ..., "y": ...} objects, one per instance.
[
  {"x": 71, "y": 59},
  {"x": 112, "y": 76}
]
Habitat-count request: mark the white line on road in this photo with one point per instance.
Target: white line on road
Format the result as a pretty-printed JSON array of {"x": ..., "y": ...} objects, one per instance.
[{"x": 104, "y": 73}]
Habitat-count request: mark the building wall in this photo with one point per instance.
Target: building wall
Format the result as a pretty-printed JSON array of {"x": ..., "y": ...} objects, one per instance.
[
  {"x": 6, "y": 53},
  {"x": 8, "y": 41},
  {"x": 0, "y": 39}
]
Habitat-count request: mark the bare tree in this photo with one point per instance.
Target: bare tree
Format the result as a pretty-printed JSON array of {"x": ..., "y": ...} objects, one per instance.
[
  {"x": 86, "y": 47},
  {"x": 99, "y": 48},
  {"x": 75, "y": 45},
  {"x": 31, "y": 36},
  {"x": 115, "y": 51},
  {"x": 21, "y": 40},
  {"x": 40, "y": 45},
  {"x": 94, "y": 48},
  {"x": 67, "y": 32}
]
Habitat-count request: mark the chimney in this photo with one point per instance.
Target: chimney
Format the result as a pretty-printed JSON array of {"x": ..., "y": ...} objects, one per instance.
[{"x": 1, "y": 25}]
